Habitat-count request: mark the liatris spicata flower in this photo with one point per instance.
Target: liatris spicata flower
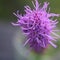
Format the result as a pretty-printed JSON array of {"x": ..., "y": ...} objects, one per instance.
[{"x": 37, "y": 25}]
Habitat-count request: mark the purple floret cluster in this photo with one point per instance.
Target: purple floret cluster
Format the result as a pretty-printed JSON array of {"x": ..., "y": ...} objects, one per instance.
[{"x": 37, "y": 24}]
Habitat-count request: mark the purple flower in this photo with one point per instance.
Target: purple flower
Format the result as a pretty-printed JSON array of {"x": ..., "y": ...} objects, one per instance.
[{"x": 37, "y": 24}]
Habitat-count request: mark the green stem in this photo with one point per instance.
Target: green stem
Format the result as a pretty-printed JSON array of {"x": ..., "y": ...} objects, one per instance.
[{"x": 38, "y": 57}]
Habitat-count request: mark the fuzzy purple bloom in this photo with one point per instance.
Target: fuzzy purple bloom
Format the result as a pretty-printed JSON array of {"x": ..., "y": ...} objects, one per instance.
[{"x": 37, "y": 25}]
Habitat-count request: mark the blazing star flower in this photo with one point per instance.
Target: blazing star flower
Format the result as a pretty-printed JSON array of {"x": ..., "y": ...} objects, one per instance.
[{"x": 37, "y": 25}]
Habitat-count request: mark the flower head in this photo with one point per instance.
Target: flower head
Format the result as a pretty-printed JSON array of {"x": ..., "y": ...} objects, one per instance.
[{"x": 37, "y": 25}]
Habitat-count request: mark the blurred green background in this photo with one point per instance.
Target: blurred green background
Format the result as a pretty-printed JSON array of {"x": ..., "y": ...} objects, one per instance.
[
  {"x": 7, "y": 7},
  {"x": 10, "y": 36}
]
